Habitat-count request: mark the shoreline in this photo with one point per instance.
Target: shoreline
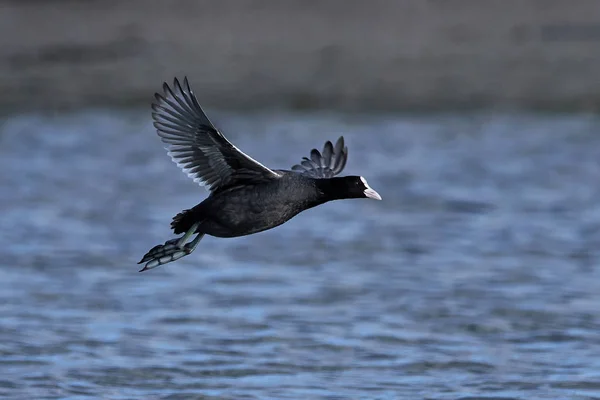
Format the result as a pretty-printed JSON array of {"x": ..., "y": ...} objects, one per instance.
[{"x": 408, "y": 56}]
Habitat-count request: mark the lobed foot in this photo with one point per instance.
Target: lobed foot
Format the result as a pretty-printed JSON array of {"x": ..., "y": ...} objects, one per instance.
[
  {"x": 170, "y": 251},
  {"x": 164, "y": 254},
  {"x": 159, "y": 249}
]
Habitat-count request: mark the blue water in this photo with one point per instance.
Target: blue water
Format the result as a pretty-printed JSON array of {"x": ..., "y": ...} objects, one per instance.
[{"x": 475, "y": 278}]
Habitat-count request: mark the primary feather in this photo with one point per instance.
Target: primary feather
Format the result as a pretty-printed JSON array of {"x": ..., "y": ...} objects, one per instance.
[{"x": 197, "y": 147}]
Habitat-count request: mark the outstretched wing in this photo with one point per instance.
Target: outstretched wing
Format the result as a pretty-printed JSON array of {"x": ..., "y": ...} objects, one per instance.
[
  {"x": 326, "y": 164},
  {"x": 196, "y": 146}
]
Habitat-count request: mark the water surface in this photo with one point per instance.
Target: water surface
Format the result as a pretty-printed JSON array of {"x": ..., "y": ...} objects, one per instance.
[{"x": 476, "y": 277}]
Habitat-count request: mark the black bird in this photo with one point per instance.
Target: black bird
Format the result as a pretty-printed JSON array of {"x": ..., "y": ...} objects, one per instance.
[{"x": 245, "y": 196}]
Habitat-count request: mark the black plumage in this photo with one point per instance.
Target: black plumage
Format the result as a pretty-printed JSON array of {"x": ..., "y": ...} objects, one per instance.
[
  {"x": 326, "y": 164},
  {"x": 245, "y": 196}
]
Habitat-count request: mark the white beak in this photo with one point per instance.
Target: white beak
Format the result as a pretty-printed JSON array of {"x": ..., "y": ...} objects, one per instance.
[{"x": 370, "y": 193}]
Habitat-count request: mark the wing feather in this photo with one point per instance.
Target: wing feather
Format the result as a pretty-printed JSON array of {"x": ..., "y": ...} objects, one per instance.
[
  {"x": 196, "y": 146},
  {"x": 326, "y": 164}
]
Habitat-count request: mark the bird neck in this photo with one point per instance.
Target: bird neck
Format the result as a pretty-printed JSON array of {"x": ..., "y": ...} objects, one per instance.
[{"x": 332, "y": 188}]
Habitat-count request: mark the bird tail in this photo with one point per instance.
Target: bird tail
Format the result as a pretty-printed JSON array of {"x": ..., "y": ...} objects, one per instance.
[{"x": 183, "y": 221}]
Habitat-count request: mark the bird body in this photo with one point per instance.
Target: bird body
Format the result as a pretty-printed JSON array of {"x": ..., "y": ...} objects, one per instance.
[
  {"x": 245, "y": 196},
  {"x": 242, "y": 210}
]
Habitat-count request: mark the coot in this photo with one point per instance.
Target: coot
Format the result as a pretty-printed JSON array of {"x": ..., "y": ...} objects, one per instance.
[{"x": 245, "y": 196}]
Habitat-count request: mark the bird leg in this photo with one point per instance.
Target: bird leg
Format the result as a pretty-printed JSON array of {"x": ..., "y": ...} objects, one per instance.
[{"x": 172, "y": 250}]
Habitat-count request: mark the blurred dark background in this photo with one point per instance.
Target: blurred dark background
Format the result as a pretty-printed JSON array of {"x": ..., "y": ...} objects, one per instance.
[
  {"x": 376, "y": 55},
  {"x": 476, "y": 277}
]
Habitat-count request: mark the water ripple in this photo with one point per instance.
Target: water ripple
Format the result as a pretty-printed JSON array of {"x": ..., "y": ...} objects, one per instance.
[{"x": 475, "y": 278}]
